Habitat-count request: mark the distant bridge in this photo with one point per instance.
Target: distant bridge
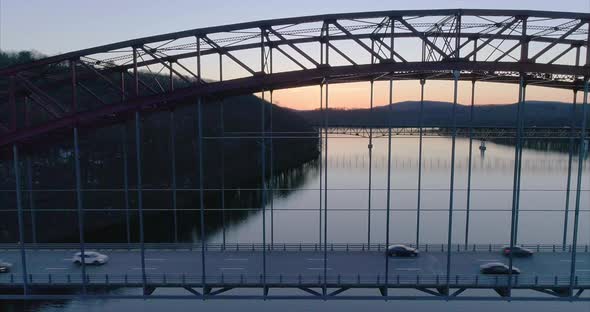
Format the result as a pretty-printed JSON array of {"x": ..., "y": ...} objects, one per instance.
[
  {"x": 480, "y": 132},
  {"x": 382, "y": 131}
]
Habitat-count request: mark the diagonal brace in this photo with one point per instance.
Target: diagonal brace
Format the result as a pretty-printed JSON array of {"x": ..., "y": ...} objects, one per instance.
[
  {"x": 225, "y": 52},
  {"x": 192, "y": 291},
  {"x": 383, "y": 44},
  {"x": 351, "y": 61},
  {"x": 294, "y": 47},
  {"x": 34, "y": 89},
  {"x": 558, "y": 40},
  {"x": 423, "y": 37},
  {"x": 338, "y": 291},
  {"x": 490, "y": 39},
  {"x": 358, "y": 41},
  {"x": 44, "y": 105},
  {"x": 99, "y": 74},
  {"x": 155, "y": 57},
  {"x": 220, "y": 291},
  {"x": 507, "y": 52},
  {"x": 310, "y": 291},
  {"x": 428, "y": 291},
  {"x": 288, "y": 55}
]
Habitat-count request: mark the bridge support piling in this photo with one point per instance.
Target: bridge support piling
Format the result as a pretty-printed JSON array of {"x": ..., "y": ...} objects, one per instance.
[
  {"x": 80, "y": 207},
  {"x": 201, "y": 173},
  {"x": 138, "y": 164},
  {"x": 124, "y": 144},
  {"x": 569, "y": 173},
  {"x": 519, "y": 175},
  {"x": 370, "y": 169},
  {"x": 126, "y": 183},
  {"x": 325, "y": 287},
  {"x": 173, "y": 156},
  {"x": 420, "y": 150},
  {"x": 570, "y": 160},
  {"x": 31, "y": 199},
  {"x": 326, "y": 79},
  {"x": 452, "y": 176},
  {"x": 263, "y": 181},
  {"x": 29, "y": 173},
  {"x": 321, "y": 164},
  {"x": 21, "y": 228},
  {"x": 469, "y": 164},
  {"x": 272, "y": 173},
  {"x": 173, "y": 171},
  {"x": 140, "y": 196},
  {"x": 516, "y": 178},
  {"x": 223, "y": 217},
  {"x": 582, "y": 153},
  {"x": 201, "y": 191},
  {"x": 388, "y": 196}
]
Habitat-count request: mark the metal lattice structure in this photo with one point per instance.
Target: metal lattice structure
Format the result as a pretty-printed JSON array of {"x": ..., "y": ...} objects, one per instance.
[
  {"x": 154, "y": 73},
  {"x": 483, "y": 45}
]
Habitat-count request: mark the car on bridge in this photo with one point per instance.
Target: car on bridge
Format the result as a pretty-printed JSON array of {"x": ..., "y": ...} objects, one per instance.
[
  {"x": 497, "y": 268},
  {"x": 517, "y": 251},
  {"x": 5, "y": 267},
  {"x": 402, "y": 251},
  {"x": 90, "y": 257}
]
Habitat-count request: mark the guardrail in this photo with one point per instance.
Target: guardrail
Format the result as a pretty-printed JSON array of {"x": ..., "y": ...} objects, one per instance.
[
  {"x": 294, "y": 247},
  {"x": 286, "y": 280}
]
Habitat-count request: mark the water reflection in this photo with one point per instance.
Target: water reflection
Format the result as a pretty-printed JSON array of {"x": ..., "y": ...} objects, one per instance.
[
  {"x": 296, "y": 197},
  {"x": 542, "y": 200}
]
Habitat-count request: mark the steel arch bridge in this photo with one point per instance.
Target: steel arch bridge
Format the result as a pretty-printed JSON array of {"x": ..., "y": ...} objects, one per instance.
[
  {"x": 155, "y": 73},
  {"x": 546, "y": 48}
]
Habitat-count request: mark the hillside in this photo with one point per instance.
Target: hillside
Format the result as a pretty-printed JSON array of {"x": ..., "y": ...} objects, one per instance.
[{"x": 537, "y": 113}]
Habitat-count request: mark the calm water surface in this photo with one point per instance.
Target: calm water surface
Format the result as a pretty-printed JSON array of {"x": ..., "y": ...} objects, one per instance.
[{"x": 295, "y": 214}]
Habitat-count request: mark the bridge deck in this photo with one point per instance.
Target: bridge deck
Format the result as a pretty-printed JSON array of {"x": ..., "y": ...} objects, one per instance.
[{"x": 53, "y": 268}]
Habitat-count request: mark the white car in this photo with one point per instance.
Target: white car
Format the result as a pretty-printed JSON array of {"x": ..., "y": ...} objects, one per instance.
[
  {"x": 90, "y": 257},
  {"x": 5, "y": 266}
]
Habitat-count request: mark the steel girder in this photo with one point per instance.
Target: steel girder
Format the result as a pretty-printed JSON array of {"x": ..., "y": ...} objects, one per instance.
[{"x": 549, "y": 47}]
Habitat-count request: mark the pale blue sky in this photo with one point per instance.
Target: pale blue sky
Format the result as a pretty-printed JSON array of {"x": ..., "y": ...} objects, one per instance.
[{"x": 58, "y": 26}]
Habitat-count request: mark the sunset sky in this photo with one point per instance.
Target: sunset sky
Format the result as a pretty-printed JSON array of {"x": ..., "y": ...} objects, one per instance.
[{"x": 58, "y": 26}]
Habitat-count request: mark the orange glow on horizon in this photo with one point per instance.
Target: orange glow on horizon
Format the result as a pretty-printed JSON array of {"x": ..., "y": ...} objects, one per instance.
[{"x": 357, "y": 95}]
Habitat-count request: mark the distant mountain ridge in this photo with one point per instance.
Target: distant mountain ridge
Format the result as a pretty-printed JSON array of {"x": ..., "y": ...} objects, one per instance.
[{"x": 536, "y": 113}]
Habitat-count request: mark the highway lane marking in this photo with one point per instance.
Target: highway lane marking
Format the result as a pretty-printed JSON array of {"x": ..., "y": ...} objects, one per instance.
[
  {"x": 145, "y": 268},
  {"x": 231, "y": 268},
  {"x": 318, "y": 268},
  {"x": 235, "y": 259}
]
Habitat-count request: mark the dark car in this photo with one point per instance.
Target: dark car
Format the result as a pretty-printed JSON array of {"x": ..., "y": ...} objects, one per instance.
[
  {"x": 497, "y": 268},
  {"x": 516, "y": 251},
  {"x": 402, "y": 251},
  {"x": 5, "y": 267}
]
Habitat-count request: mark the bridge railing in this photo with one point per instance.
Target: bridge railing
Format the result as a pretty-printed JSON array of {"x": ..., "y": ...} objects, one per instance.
[
  {"x": 294, "y": 280},
  {"x": 213, "y": 247}
]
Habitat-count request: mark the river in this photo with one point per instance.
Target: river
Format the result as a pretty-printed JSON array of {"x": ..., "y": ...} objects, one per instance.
[{"x": 295, "y": 214}]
